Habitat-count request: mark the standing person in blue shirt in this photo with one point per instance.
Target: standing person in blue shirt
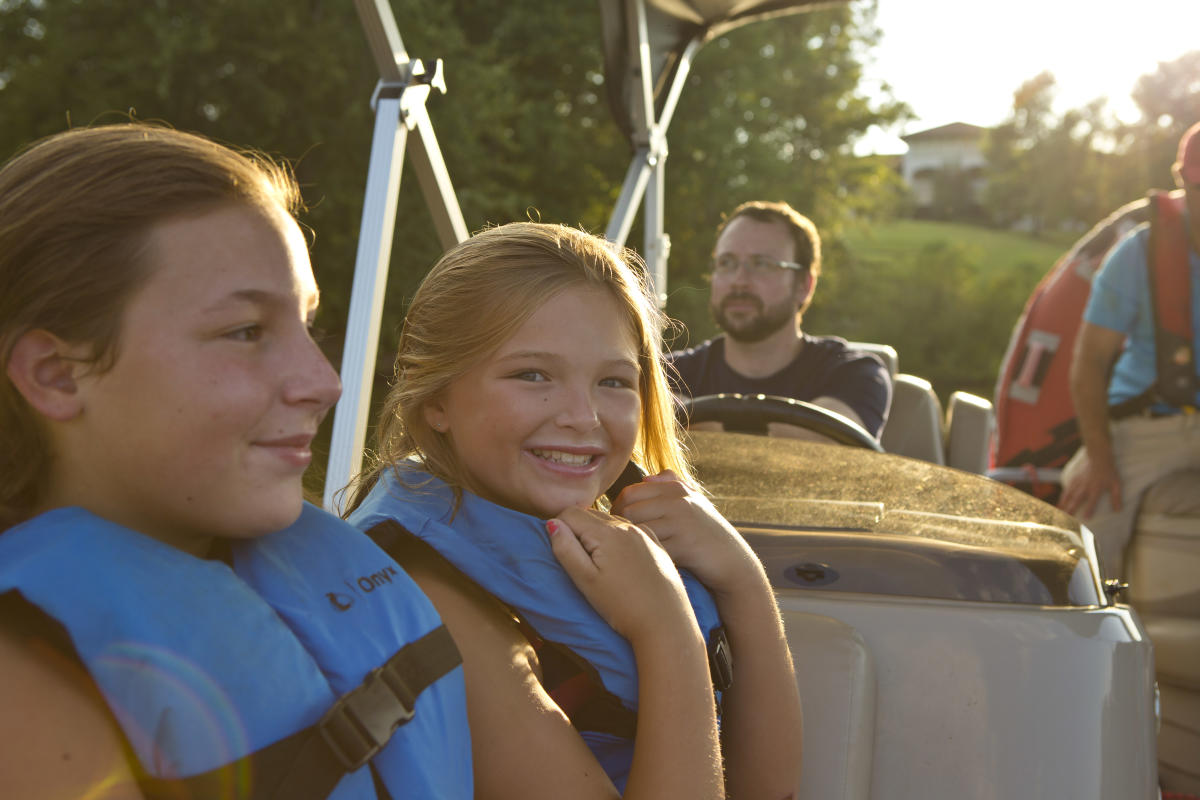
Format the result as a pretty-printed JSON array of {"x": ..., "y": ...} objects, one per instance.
[
  {"x": 1132, "y": 435},
  {"x": 174, "y": 620},
  {"x": 529, "y": 375},
  {"x": 765, "y": 268}
]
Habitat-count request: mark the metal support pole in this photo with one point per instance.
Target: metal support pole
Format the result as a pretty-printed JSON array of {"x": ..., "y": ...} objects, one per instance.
[
  {"x": 632, "y": 190},
  {"x": 646, "y": 176},
  {"x": 399, "y": 103},
  {"x": 658, "y": 243},
  {"x": 434, "y": 180},
  {"x": 366, "y": 299}
]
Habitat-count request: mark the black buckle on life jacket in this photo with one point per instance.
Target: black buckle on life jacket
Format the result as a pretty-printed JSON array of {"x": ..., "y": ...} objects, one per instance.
[
  {"x": 720, "y": 660},
  {"x": 360, "y": 723}
]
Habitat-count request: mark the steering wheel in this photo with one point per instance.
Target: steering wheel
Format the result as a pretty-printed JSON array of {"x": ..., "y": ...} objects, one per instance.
[{"x": 750, "y": 413}]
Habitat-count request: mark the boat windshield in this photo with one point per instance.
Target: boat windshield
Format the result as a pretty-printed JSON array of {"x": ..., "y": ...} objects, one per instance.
[{"x": 838, "y": 518}]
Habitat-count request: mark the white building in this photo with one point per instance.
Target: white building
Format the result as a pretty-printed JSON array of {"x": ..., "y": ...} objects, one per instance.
[{"x": 955, "y": 147}]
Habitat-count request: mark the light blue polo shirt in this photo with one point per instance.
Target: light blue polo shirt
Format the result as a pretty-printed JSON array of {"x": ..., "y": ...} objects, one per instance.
[{"x": 1120, "y": 301}]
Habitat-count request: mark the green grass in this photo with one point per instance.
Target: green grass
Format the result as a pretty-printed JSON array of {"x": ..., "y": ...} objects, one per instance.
[
  {"x": 945, "y": 295},
  {"x": 991, "y": 249}
]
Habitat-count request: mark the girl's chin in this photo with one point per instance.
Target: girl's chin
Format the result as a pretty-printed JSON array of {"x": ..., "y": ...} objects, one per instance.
[{"x": 547, "y": 507}]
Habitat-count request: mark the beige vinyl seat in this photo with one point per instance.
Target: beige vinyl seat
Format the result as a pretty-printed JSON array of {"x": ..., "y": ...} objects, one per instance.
[
  {"x": 970, "y": 426},
  {"x": 1163, "y": 569},
  {"x": 916, "y": 426}
]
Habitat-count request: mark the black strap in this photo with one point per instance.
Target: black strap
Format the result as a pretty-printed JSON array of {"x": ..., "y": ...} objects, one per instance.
[
  {"x": 720, "y": 660},
  {"x": 565, "y": 674},
  {"x": 575, "y": 684},
  {"x": 362, "y": 721},
  {"x": 1168, "y": 275},
  {"x": 306, "y": 765},
  {"x": 1132, "y": 406}
]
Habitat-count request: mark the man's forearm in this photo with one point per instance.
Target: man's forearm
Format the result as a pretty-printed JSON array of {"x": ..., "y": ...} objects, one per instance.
[{"x": 1089, "y": 393}]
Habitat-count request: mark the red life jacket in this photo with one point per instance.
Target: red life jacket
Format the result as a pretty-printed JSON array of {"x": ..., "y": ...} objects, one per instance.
[{"x": 1035, "y": 417}]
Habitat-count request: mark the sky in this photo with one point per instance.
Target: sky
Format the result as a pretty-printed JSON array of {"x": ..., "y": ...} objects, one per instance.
[{"x": 961, "y": 60}]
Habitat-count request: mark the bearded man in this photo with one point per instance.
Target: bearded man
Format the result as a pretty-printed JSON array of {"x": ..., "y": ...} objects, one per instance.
[{"x": 764, "y": 272}]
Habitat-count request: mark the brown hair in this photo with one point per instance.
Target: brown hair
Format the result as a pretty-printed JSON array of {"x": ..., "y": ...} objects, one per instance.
[
  {"x": 75, "y": 212},
  {"x": 803, "y": 231},
  {"x": 475, "y": 298}
]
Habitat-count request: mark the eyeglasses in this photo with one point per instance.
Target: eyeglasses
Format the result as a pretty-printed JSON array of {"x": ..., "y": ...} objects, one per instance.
[{"x": 726, "y": 264}]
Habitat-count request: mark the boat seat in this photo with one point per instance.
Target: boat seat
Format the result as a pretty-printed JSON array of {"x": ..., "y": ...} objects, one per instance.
[
  {"x": 970, "y": 425},
  {"x": 886, "y": 353},
  {"x": 1162, "y": 563},
  {"x": 1163, "y": 568},
  {"x": 914, "y": 425},
  {"x": 836, "y": 678}
]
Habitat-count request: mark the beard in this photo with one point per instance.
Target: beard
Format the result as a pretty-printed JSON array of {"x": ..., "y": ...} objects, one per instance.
[{"x": 754, "y": 327}]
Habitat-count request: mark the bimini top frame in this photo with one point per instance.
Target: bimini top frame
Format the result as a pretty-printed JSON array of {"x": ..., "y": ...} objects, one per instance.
[
  {"x": 399, "y": 103},
  {"x": 649, "y": 46}
]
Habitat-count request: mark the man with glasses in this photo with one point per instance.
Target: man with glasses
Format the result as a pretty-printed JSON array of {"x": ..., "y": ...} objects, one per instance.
[{"x": 765, "y": 268}]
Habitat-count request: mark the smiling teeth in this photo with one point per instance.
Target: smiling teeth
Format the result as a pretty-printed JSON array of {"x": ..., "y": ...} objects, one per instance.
[{"x": 559, "y": 457}]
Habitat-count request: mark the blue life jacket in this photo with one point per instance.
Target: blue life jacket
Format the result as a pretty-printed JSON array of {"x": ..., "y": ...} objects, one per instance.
[
  {"x": 508, "y": 554},
  {"x": 208, "y": 668}
]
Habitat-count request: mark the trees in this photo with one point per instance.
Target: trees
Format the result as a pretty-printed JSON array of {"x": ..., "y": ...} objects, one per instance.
[
  {"x": 1070, "y": 170},
  {"x": 1039, "y": 165},
  {"x": 288, "y": 78},
  {"x": 771, "y": 110},
  {"x": 1169, "y": 101}
]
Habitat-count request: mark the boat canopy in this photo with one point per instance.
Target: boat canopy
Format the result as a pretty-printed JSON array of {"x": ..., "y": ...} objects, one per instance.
[
  {"x": 671, "y": 26},
  {"x": 649, "y": 46}
]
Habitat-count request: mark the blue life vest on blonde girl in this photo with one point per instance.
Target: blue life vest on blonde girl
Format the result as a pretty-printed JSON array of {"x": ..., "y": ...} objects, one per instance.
[
  {"x": 206, "y": 667},
  {"x": 508, "y": 554}
]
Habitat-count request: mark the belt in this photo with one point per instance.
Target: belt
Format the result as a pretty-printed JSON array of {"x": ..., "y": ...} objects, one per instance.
[{"x": 1146, "y": 404}]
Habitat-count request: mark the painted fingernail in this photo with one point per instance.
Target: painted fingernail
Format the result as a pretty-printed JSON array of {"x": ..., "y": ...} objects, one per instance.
[{"x": 552, "y": 527}]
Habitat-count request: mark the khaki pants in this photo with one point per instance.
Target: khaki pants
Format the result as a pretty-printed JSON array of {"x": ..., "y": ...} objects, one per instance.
[{"x": 1145, "y": 449}]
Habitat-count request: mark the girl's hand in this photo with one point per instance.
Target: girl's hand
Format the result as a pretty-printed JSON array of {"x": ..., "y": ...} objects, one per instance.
[
  {"x": 623, "y": 572},
  {"x": 691, "y": 530}
]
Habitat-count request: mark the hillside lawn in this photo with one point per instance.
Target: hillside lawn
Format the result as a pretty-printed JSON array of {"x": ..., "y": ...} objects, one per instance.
[
  {"x": 945, "y": 295},
  {"x": 990, "y": 249}
]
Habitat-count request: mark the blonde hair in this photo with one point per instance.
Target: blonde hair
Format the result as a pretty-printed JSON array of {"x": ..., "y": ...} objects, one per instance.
[
  {"x": 75, "y": 212},
  {"x": 474, "y": 299}
]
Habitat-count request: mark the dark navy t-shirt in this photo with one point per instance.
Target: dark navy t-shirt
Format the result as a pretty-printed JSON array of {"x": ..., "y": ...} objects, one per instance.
[{"x": 825, "y": 367}]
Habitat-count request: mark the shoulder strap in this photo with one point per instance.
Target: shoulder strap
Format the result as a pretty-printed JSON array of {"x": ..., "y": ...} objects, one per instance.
[
  {"x": 568, "y": 677},
  {"x": 308, "y": 764},
  {"x": 362, "y": 721},
  {"x": 1170, "y": 289}
]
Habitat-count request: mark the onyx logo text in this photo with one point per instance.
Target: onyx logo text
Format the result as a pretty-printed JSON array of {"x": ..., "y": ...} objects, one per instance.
[{"x": 361, "y": 586}]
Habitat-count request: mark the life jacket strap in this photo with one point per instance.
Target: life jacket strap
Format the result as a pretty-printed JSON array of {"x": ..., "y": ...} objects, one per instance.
[
  {"x": 362, "y": 721},
  {"x": 569, "y": 678},
  {"x": 720, "y": 660},
  {"x": 1170, "y": 287}
]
